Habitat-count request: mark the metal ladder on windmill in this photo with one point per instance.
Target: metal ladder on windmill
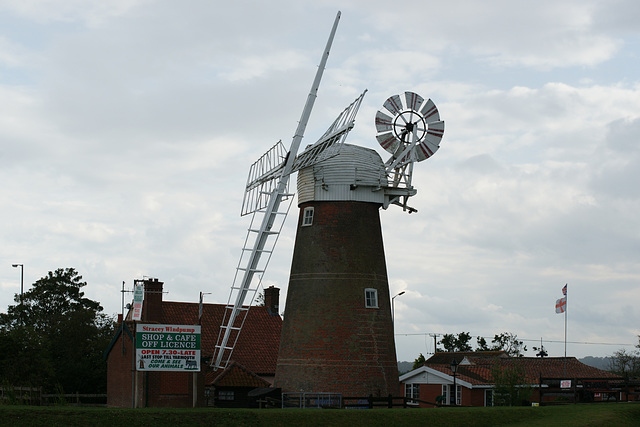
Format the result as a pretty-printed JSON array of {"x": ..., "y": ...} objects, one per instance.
[
  {"x": 263, "y": 196},
  {"x": 269, "y": 214},
  {"x": 263, "y": 199}
]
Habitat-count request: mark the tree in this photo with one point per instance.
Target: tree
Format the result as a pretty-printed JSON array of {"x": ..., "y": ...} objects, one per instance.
[
  {"x": 259, "y": 302},
  {"x": 452, "y": 342},
  {"x": 506, "y": 341},
  {"x": 56, "y": 337},
  {"x": 509, "y": 343},
  {"x": 418, "y": 362},
  {"x": 510, "y": 384},
  {"x": 625, "y": 363},
  {"x": 482, "y": 344}
]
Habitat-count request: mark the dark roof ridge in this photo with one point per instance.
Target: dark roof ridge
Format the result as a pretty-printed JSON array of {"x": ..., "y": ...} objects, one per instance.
[{"x": 233, "y": 364}]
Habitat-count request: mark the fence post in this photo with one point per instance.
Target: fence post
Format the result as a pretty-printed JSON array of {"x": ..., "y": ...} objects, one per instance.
[
  {"x": 390, "y": 401},
  {"x": 371, "y": 401}
]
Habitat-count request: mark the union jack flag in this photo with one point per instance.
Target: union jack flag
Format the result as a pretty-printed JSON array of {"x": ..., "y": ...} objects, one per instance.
[{"x": 564, "y": 290}]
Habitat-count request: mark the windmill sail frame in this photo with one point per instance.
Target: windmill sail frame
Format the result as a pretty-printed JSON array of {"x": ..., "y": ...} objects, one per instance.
[
  {"x": 235, "y": 311},
  {"x": 265, "y": 172},
  {"x": 263, "y": 178},
  {"x": 335, "y": 135}
]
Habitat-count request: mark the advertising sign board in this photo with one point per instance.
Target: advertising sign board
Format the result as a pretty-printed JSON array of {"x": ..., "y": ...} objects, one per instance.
[
  {"x": 167, "y": 347},
  {"x": 138, "y": 298}
]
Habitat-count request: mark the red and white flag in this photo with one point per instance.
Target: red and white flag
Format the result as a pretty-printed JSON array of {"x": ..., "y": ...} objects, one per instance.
[{"x": 561, "y": 305}]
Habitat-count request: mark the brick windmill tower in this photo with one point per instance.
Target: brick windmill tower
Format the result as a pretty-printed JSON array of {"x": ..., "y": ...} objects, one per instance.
[{"x": 337, "y": 334}]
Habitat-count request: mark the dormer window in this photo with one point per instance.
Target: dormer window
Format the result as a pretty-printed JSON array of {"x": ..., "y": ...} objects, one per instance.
[{"x": 307, "y": 216}]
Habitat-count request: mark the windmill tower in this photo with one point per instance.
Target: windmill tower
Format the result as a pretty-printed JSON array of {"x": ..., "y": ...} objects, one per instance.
[{"x": 337, "y": 333}]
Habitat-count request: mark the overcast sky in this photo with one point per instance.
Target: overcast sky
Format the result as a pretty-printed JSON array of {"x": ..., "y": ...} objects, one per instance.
[{"x": 127, "y": 129}]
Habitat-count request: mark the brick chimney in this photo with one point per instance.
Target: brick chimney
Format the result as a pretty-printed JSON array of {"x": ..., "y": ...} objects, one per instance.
[
  {"x": 272, "y": 300},
  {"x": 152, "y": 310}
]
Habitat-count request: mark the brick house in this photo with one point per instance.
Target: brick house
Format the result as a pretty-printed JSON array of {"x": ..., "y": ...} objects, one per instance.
[
  {"x": 253, "y": 362},
  {"x": 551, "y": 379}
]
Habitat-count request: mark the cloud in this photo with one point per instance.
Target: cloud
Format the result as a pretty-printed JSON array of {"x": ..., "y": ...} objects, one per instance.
[
  {"x": 127, "y": 130},
  {"x": 543, "y": 35},
  {"x": 92, "y": 12},
  {"x": 618, "y": 172}
]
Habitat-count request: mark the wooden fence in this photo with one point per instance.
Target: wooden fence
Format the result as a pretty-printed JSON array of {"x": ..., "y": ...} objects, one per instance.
[
  {"x": 371, "y": 402},
  {"x": 336, "y": 401},
  {"x": 35, "y": 397}
]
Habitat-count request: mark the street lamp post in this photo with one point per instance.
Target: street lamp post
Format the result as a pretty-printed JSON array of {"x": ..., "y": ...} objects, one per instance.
[
  {"x": 393, "y": 308},
  {"x": 454, "y": 393},
  {"x": 21, "y": 286},
  {"x": 21, "y": 279}
]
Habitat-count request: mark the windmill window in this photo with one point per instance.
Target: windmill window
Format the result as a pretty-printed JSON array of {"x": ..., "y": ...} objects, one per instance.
[
  {"x": 307, "y": 216},
  {"x": 371, "y": 298}
]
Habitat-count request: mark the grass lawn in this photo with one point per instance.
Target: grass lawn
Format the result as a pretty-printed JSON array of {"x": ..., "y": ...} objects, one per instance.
[{"x": 609, "y": 414}]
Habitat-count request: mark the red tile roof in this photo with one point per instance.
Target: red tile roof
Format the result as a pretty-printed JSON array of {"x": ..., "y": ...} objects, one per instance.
[
  {"x": 478, "y": 357},
  {"x": 259, "y": 341},
  {"x": 236, "y": 375},
  {"x": 558, "y": 367},
  {"x": 475, "y": 375},
  {"x": 479, "y": 371}
]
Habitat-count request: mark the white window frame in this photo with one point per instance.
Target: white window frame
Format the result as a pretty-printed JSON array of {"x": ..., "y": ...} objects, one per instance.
[
  {"x": 307, "y": 216},
  {"x": 446, "y": 389},
  {"x": 488, "y": 397},
  {"x": 371, "y": 298},
  {"x": 412, "y": 391}
]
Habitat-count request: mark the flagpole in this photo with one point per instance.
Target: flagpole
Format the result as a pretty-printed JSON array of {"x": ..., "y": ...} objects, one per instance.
[
  {"x": 561, "y": 307},
  {"x": 565, "y": 330},
  {"x": 566, "y": 306}
]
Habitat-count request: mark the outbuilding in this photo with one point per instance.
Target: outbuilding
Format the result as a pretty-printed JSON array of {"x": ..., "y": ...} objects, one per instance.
[
  {"x": 549, "y": 379},
  {"x": 252, "y": 365}
]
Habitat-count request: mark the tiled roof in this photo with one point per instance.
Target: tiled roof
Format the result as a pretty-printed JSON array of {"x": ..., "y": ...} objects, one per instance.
[
  {"x": 558, "y": 367},
  {"x": 257, "y": 346},
  {"x": 479, "y": 372},
  {"x": 476, "y": 375},
  {"x": 476, "y": 357},
  {"x": 236, "y": 375}
]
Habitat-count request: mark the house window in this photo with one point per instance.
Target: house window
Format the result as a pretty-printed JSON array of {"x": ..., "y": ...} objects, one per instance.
[
  {"x": 446, "y": 389},
  {"x": 371, "y": 298},
  {"x": 226, "y": 395},
  {"x": 307, "y": 216},
  {"x": 488, "y": 398},
  {"x": 412, "y": 391}
]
